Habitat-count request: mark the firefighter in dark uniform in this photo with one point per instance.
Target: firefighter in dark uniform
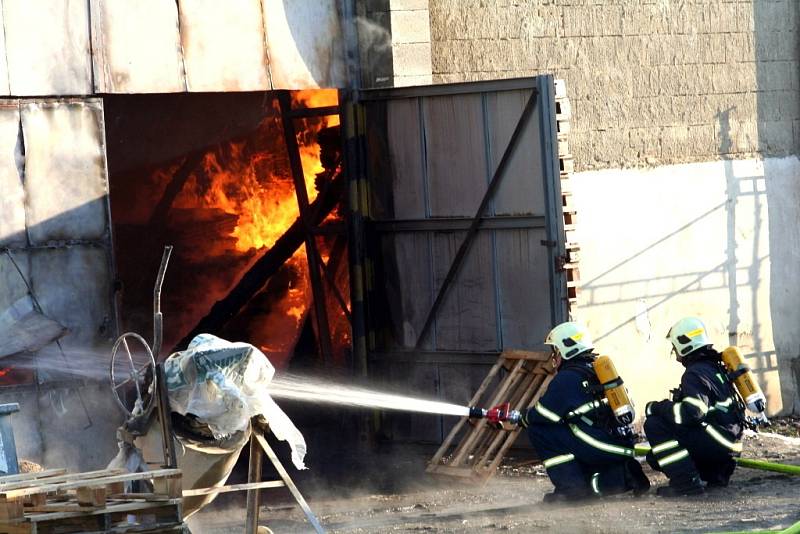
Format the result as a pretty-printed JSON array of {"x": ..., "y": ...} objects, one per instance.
[
  {"x": 695, "y": 436},
  {"x": 585, "y": 451}
]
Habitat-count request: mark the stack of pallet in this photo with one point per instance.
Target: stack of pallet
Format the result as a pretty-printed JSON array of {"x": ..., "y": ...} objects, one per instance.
[
  {"x": 570, "y": 261},
  {"x": 54, "y": 501},
  {"x": 474, "y": 449}
]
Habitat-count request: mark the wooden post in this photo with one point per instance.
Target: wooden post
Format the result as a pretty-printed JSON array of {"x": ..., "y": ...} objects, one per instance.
[{"x": 253, "y": 475}]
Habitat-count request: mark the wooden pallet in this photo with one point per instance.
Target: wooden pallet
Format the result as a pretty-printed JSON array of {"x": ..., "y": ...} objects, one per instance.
[
  {"x": 55, "y": 501},
  {"x": 523, "y": 377},
  {"x": 569, "y": 263}
]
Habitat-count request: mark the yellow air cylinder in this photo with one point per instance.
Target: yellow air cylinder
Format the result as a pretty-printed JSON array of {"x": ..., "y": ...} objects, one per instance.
[
  {"x": 745, "y": 383},
  {"x": 614, "y": 390}
]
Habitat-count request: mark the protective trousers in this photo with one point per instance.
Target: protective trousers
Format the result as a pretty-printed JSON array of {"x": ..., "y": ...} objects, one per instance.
[
  {"x": 581, "y": 461},
  {"x": 682, "y": 451}
]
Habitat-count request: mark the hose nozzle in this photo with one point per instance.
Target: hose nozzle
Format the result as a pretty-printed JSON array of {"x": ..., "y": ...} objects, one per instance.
[{"x": 476, "y": 413}]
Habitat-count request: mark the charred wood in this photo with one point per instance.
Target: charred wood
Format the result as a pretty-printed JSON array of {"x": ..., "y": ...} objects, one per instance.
[{"x": 268, "y": 264}]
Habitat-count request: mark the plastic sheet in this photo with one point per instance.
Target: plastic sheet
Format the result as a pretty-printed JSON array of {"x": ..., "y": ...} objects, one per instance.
[{"x": 224, "y": 384}]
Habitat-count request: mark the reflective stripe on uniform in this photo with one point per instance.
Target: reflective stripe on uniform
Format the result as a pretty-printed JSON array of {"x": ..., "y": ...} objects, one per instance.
[
  {"x": 558, "y": 460},
  {"x": 596, "y": 483},
  {"x": 667, "y": 445},
  {"x": 676, "y": 413},
  {"x": 547, "y": 414},
  {"x": 722, "y": 440},
  {"x": 597, "y": 444},
  {"x": 584, "y": 408},
  {"x": 674, "y": 457},
  {"x": 696, "y": 402}
]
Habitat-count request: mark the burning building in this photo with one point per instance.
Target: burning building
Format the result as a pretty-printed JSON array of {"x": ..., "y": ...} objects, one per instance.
[{"x": 407, "y": 233}]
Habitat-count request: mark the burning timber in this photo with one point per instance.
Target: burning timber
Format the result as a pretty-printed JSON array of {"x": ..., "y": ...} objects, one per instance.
[{"x": 283, "y": 249}]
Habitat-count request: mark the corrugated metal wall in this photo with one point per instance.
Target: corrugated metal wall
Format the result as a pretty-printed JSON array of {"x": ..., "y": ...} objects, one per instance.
[
  {"x": 80, "y": 47},
  {"x": 54, "y": 221}
]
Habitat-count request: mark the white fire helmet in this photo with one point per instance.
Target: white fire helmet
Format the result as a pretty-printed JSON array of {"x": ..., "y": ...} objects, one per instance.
[
  {"x": 569, "y": 339},
  {"x": 688, "y": 335}
]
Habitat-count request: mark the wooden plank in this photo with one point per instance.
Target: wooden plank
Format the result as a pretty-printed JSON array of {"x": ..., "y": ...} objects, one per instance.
[
  {"x": 10, "y": 509},
  {"x": 405, "y": 153},
  {"x": 234, "y": 487},
  {"x": 493, "y": 372},
  {"x": 91, "y": 482},
  {"x": 298, "y": 497},
  {"x": 522, "y": 189},
  {"x": 170, "y": 486},
  {"x": 456, "y": 154},
  {"x": 123, "y": 496},
  {"x": 415, "y": 291},
  {"x": 525, "y": 309},
  {"x": 466, "y": 445},
  {"x": 114, "y": 508},
  {"x": 515, "y": 354},
  {"x": 57, "y": 479},
  {"x": 457, "y": 384},
  {"x": 90, "y": 496},
  {"x": 467, "y": 318},
  {"x": 31, "y": 476}
]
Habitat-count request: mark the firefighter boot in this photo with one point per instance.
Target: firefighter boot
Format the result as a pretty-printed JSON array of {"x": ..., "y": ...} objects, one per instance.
[
  {"x": 681, "y": 486},
  {"x": 635, "y": 478},
  {"x": 717, "y": 475}
]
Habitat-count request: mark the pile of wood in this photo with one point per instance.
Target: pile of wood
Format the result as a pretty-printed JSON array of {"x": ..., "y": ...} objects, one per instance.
[
  {"x": 96, "y": 501},
  {"x": 474, "y": 449},
  {"x": 569, "y": 263}
]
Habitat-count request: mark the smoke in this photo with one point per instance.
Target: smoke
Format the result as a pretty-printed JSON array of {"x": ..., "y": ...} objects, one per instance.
[
  {"x": 324, "y": 392},
  {"x": 375, "y": 44},
  {"x": 373, "y": 36}
]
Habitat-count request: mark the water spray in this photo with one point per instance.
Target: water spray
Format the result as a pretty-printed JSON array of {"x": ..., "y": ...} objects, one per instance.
[{"x": 303, "y": 389}]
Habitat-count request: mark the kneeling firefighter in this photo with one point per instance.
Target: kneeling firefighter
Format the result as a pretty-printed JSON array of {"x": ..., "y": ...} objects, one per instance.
[
  {"x": 586, "y": 449},
  {"x": 695, "y": 436}
]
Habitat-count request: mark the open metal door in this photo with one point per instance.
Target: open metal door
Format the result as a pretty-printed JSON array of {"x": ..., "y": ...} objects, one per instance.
[{"x": 457, "y": 217}]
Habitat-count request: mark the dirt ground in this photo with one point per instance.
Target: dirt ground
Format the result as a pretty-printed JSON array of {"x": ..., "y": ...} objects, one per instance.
[{"x": 511, "y": 502}]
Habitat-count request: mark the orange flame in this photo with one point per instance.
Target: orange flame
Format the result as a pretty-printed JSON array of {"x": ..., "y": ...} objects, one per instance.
[{"x": 265, "y": 209}]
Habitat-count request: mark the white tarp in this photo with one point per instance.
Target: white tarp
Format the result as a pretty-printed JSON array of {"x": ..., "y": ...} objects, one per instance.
[{"x": 224, "y": 384}]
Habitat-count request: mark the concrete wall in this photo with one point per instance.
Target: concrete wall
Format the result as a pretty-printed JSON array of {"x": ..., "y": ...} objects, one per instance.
[
  {"x": 714, "y": 246},
  {"x": 686, "y": 120},
  {"x": 648, "y": 80}
]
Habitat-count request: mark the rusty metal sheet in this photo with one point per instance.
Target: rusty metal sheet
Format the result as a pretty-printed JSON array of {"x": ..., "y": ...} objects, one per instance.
[
  {"x": 305, "y": 43},
  {"x": 223, "y": 45},
  {"x": 12, "y": 199},
  {"x": 136, "y": 47},
  {"x": 47, "y": 47},
  {"x": 72, "y": 285},
  {"x": 66, "y": 185}
]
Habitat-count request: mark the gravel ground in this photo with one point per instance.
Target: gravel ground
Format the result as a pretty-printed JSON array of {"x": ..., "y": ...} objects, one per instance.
[{"x": 511, "y": 502}]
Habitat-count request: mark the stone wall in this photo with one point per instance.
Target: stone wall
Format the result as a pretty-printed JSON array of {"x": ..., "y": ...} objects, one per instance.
[{"x": 652, "y": 82}]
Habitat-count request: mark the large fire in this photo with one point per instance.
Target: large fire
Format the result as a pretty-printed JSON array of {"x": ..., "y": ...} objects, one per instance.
[
  {"x": 232, "y": 209},
  {"x": 264, "y": 211}
]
